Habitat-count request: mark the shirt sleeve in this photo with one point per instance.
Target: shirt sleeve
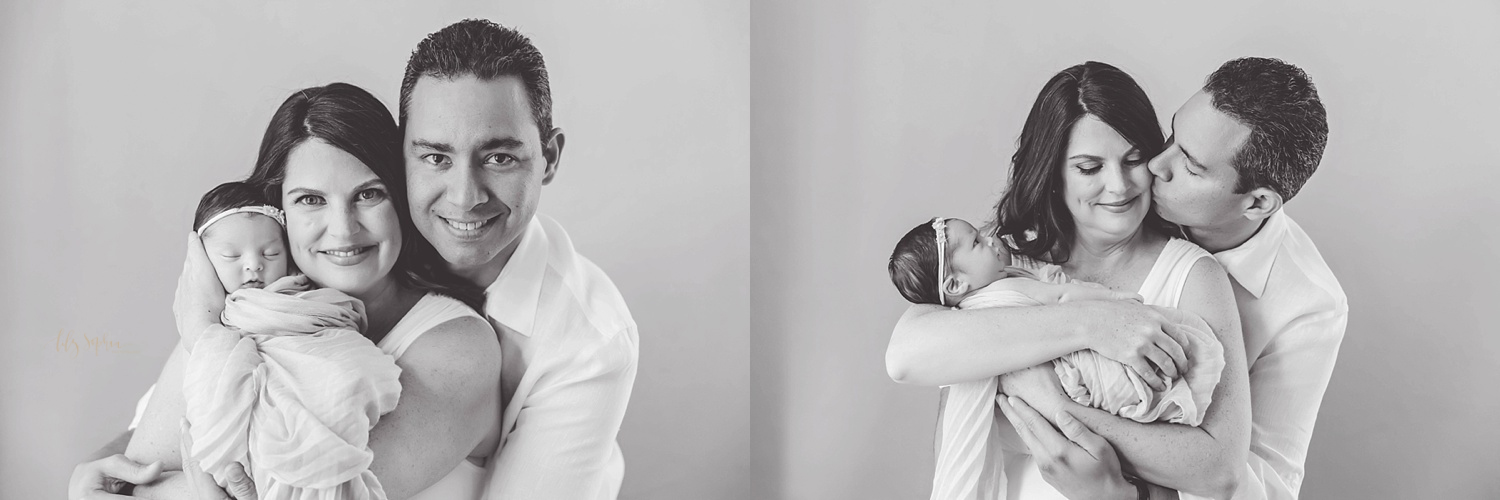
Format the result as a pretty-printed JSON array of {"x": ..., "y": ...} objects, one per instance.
[
  {"x": 1287, "y": 384},
  {"x": 564, "y": 442}
]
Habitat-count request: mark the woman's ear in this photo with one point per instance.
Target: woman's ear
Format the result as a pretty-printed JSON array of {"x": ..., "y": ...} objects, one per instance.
[{"x": 1264, "y": 202}]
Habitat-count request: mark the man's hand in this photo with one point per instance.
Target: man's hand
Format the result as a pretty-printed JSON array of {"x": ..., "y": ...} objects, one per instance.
[
  {"x": 1080, "y": 465},
  {"x": 1135, "y": 335},
  {"x": 240, "y": 485},
  {"x": 200, "y": 296},
  {"x": 106, "y": 477}
]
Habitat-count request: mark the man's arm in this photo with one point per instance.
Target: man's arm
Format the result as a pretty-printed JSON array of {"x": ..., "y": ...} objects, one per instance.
[
  {"x": 937, "y": 346},
  {"x": 1291, "y": 377},
  {"x": 564, "y": 436}
]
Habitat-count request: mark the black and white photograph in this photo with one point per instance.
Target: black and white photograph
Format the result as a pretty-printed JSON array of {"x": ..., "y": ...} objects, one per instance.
[{"x": 749, "y": 249}]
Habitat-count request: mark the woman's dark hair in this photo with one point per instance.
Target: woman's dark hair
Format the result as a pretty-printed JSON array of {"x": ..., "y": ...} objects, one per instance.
[
  {"x": 1033, "y": 201},
  {"x": 349, "y": 118},
  {"x": 914, "y": 265},
  {"x": 226, "y": 196}
]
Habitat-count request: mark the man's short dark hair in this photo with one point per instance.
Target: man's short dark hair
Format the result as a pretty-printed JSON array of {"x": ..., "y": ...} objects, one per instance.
[
  {"x": 1288, "y": 125},
  {"x": 485, "y": 50}
]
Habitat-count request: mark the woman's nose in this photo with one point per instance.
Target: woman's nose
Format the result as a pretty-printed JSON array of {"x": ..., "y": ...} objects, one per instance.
[{"x": 342, "y": 222}]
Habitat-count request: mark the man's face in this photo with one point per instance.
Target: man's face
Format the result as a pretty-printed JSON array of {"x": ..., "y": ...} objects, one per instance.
[
  {"x": 475, "y": 165},
  {"x": 1195, "y": 179}
]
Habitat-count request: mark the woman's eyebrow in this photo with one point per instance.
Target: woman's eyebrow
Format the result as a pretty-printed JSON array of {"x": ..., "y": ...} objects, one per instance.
[{"x": 1084, "y": 157}]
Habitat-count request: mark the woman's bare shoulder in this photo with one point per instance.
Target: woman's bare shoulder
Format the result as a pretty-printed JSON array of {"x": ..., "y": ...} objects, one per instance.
[{"x": 461, "y": 347}]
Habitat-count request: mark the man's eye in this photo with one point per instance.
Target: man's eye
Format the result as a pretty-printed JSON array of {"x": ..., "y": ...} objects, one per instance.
[
  {"x": 500, "y": 159},
  {"x": 435, "y": 159},
  {"x": 309, "y": 199}
]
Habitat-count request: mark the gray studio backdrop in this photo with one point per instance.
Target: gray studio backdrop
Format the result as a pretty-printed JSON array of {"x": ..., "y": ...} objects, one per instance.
[
  {"x": 871, "y": 117},
  {"x": 117, "y": 116}
]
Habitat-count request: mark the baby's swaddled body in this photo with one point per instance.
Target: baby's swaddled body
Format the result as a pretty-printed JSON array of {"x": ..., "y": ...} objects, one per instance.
[
  {"x": 290, "y": 391},
  {"x": 975, "y": 438},
  {"x": 1099, "y": 382}
]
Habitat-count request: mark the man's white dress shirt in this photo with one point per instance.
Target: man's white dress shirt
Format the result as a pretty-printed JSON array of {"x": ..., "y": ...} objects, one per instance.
[
  {"x": 569, "y": 359},
  {"x": 1294, "y": 314}
]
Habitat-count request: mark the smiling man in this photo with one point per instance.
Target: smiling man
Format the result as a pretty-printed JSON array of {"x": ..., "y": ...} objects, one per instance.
[{"x": 476, "y": 117}]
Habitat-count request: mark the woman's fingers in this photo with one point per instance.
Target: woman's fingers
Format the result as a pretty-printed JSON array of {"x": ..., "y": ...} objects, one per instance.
[
  {"x": 1148, "y": 374},
  {"x": 1160, "y": 358}
]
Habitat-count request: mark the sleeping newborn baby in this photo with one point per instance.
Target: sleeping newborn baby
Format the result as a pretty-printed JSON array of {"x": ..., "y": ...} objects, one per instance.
[
  {"x": 288, "y": 389},
  {"x": 946, "y": 262}
]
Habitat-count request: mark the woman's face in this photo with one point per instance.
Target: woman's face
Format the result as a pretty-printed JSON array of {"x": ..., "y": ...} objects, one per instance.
[
  {"x": 341, "y": 224},
  {"x": 1106, "y": 185}
]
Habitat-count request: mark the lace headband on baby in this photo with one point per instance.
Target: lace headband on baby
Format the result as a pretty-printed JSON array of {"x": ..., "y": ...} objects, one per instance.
[
  {"x": 266, "y": 210},
  {"x": 940, "y": 226}
]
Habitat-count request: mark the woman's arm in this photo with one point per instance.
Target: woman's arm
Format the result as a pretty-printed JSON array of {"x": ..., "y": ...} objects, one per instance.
[
  {"x": 936, "y": 346},
  {"x": 157, "y": 436},
  {"x": 1201, "y": 460},
  {"x": 450, "y": 401}
]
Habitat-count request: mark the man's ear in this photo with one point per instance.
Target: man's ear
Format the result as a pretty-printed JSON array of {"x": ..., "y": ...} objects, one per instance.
[
  {"x": 552, "y": 149},
  {"x": 955, "y": 286},
  {"x": 1264, "y": 202}
]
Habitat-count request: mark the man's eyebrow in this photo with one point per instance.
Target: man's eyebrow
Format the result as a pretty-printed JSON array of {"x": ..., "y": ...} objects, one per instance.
[
  {"x": 501, "y": 143},
  {"x": 435, "y": 146}
]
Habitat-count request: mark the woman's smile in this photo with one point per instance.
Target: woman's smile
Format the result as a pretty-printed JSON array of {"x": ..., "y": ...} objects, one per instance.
[
  {"x": 347, "y": 255},
  {"x": 1121, "y": 206}
]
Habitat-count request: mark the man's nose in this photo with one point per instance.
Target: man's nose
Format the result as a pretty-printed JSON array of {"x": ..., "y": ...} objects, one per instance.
[
  {"x": 1159, "y": 168},
  {"x": 465, "y": 189}
]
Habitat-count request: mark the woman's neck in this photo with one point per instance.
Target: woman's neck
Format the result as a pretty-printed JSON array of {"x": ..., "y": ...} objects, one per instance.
[
  {"x": 385, "y": 304},
  {"x": 1093, "y": 253}
]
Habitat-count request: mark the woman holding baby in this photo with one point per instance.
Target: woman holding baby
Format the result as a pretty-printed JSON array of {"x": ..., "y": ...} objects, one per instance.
[
  {"x": 330, "y": 161},
  {"x": 1079, "y": 198}
]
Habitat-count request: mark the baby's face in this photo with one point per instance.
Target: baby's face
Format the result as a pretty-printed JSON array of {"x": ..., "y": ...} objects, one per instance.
[
  {"x": 980, "y": 260},
  {"x": 247, "y": 250}
]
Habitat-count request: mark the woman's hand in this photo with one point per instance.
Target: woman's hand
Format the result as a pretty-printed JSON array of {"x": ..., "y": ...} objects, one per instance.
[
  {"x": 200, "y": 297},
  {"x": 1079, "y": 463},
  {"x": 107, "y": 477},
  {"x": 1134, "y": 335}
]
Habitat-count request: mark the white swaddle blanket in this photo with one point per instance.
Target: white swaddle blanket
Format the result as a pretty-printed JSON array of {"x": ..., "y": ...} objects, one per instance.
[
  {"x": 290, "y": 391},
  {"x": 970, "y": 464}
]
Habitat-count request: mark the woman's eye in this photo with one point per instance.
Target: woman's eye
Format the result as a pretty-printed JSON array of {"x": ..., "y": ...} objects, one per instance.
[
  {"x": 1089, "y": 168},
  {"x": 371, "y": 194},
  {"x": 309, "y": 199}
]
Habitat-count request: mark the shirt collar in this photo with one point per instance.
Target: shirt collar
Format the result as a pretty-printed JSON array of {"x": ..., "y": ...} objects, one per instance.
[
  {"x": 512, "y": 299},
  {"x": 1250, "y": 263}
]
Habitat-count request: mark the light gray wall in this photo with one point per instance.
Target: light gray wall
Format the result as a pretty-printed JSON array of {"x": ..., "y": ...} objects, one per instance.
[
  {"x": 870, "y": 117},
  {"x": 117, "y": 116}
]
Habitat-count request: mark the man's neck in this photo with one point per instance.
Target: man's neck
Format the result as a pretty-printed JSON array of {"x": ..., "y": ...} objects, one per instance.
[
  {"x": 485, "y": 274},
  {"x": 1226, "y": 236}
]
